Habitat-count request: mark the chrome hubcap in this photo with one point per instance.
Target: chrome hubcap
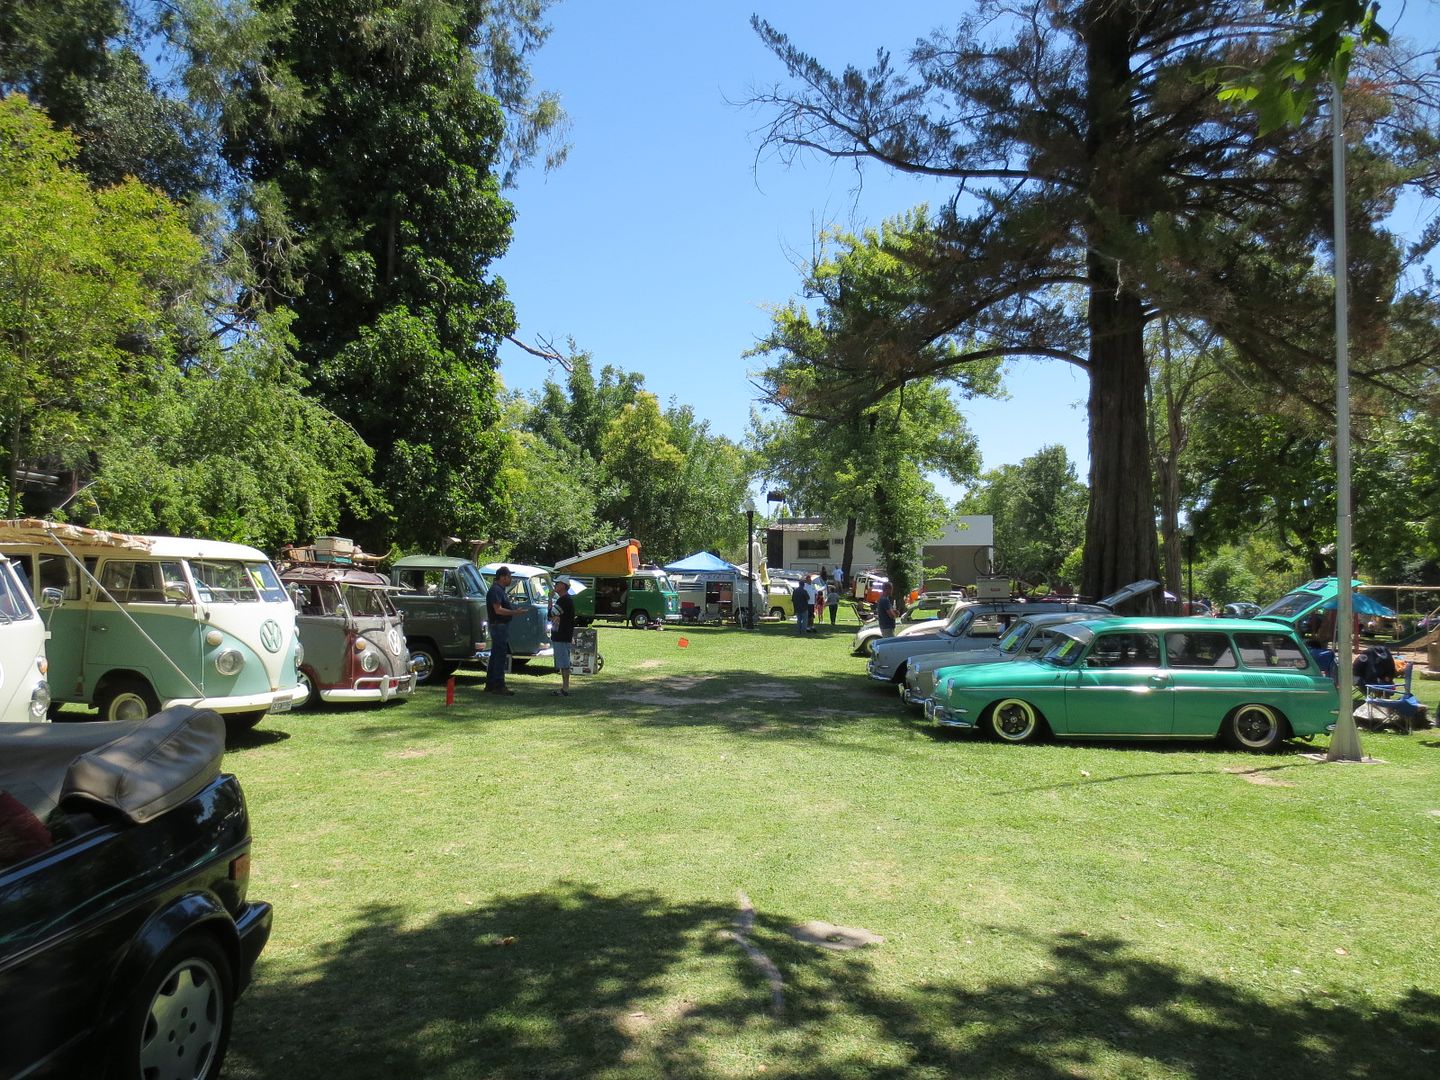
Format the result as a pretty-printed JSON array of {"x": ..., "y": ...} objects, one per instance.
[{"x": 183, "y": 1029}]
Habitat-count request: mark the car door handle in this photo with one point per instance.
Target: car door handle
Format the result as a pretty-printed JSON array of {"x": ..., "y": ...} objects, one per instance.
[
  {"x": 98, "y": 629},
  {"x": 1159, "y": 680}
]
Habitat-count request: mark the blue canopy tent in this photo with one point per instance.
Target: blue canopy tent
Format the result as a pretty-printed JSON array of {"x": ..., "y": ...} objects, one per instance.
[
  {"x": 702, "y": 562},
  {"x": 709, "y": 587}
]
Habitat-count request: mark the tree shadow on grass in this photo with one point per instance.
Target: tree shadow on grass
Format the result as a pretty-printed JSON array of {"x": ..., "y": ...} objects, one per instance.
[
  {"x": 573, "y": 982},
  {"x": 776, "y": 707}
]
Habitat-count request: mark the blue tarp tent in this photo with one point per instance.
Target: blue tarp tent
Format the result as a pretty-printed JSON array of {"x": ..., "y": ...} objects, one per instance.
[{"x": 702, "y": 562}]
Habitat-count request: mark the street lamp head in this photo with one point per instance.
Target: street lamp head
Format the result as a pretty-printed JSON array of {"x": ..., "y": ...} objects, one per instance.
[{"x": 749, "y": 506}]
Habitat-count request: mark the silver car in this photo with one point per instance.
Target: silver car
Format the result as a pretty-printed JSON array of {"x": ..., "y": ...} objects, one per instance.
[
  {"x": 1027, "y": 638},
  {"x": 979, "y": 625},
  {"x": 925, "y": 617}
]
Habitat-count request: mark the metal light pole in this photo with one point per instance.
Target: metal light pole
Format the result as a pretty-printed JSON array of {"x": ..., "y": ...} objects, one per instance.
[
  {"x": 750, "y": 559},
  {"x": 1345, "y": 742}
]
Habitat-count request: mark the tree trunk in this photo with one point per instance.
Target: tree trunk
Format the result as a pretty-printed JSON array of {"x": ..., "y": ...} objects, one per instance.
[
  {"x": 848, "y": 555},
  {"x": 1120, "y": 527}
]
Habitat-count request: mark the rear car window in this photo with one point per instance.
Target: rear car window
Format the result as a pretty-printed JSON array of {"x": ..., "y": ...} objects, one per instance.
[
  {"x": 1271, "y": 651},
  {"x": 1199, "y": 650},
  {"x": 1124, "y": 651}
]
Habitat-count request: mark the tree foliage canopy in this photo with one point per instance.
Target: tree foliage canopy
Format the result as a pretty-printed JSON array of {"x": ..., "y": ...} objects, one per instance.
[{"x": 1099, "y": 183}]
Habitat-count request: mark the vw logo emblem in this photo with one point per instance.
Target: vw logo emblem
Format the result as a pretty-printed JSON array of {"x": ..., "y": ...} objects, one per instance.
[
  {"x": 270, "y": 635},
  {"x": 395, "y": 641}
]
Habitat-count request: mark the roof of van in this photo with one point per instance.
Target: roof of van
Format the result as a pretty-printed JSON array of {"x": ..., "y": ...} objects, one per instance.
[
  {"x": 35, "y": 533},
  {"x": 518, "y": 569}
]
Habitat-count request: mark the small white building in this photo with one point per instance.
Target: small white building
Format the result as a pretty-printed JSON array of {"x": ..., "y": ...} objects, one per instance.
[{"x": 810, "y": 543}]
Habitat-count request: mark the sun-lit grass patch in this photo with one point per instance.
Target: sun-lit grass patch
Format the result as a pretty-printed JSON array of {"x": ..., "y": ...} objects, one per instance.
[{"x": 547, "y": 886}]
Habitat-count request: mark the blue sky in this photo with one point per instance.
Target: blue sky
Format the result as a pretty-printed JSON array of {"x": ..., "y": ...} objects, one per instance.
[{"x": 658, "y": 245}]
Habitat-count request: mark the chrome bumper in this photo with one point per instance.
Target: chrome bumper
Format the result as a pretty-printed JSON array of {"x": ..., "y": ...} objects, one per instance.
[
  {"x": 945, "y": 717},
  {"x": 911, "y": 697}
]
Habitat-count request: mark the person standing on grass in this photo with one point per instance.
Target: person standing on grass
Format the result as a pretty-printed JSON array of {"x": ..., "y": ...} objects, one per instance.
[
  {"x": 832, "y": 598},
  {"x": 499, "y": 612},
  {"x": 562, "y": 618},
  {"x": 819, "y": 609},
  {"x": 809, "y": 604},
  {"x": 885, "y": 611},
  {"x": 800, "y": 600}
]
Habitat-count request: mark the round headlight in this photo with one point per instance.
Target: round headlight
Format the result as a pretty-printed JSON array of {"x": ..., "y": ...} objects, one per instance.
[
  {"x": 299, "y": 654},
  {"x": 39, "y": 700},
  {"x": 229, "y": 662},
  {"x": 369, "y": 660}
]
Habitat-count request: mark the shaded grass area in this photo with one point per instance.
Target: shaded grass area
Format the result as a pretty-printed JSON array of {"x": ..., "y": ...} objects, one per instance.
[{"x": 550, "y": 887}]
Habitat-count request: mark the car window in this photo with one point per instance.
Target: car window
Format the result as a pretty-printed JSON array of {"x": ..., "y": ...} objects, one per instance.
[
  {"x": 1199, "y": 650},
  {"x": 1124, "y": 650},
  {"x": 225, "y": 581},
  {"x": 59, "y": 572},
  {"x": 1292, "y": 604},
  {"x": 12, "y": 604},
  {"x": 430, "y": 582},
  {"x": 141, "y": 582},
  {"x": 365, "y": 600},
  {"x": 1039, "y": 642},
  {"x": 1013, "y": 639},
  {"x": 1271, "y": 651},
  {"x": 986, "y": 626},
  {"x": 1064, "y": 651}
]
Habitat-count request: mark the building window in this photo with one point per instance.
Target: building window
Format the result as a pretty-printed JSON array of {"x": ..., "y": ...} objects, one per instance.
[{"x": 813, "y": 549}]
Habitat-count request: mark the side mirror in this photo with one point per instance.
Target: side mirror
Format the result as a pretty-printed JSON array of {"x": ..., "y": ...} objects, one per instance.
[
  {"x": 51, "y": 598},
  {"x": 176, "y": 594}
]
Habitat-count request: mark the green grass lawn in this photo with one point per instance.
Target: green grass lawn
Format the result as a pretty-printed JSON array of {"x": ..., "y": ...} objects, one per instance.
[{"x": 548, "y": 887}]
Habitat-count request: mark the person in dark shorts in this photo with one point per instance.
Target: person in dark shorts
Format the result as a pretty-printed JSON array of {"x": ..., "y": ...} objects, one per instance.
[
  {"x": 499, "y": 612},
  {"x": 562, "y": 633}
]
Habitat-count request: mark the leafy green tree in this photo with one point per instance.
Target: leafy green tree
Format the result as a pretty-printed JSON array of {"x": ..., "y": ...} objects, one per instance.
[
  {"x": 554, "y": 490},
  {"x": 87, "y": 278},
  {"x": 867, "y": 466},
  {"x": 874, "y": 472},
  {"x": 430, "y": 418},
  {"x": 676, "y": 487},
  {"x": 1039, "y": 510},
  {"x": 1325, "y": 34},
  {"x": 1090, "y": 159},
  {"x": 231, "y": 447}
]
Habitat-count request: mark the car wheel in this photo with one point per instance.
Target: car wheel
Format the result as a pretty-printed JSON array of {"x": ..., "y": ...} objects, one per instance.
[
  {"x": 599, "y": 664},
  {"x": 427, "y": 664},
  {"x": 1257, "y": 728},
  {"x": 127, "y": 699},
  {"x": 867, "y": 647},
  {"x": 640, "y": 620},
  {"x": 312, "y": 696},
  {"x": 777, "y": 613},
  {"x": 1015, "y": 721},
  {"x": 178, "y": 1021}
]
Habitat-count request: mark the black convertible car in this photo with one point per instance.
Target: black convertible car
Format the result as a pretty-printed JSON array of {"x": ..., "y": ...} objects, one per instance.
[{"x": 125, "y": 934}]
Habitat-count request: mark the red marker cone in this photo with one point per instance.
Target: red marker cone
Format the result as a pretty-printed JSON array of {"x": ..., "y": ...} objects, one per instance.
[
  {"x": 450, "y": 691},
  {"x": 684, "y": 643}
]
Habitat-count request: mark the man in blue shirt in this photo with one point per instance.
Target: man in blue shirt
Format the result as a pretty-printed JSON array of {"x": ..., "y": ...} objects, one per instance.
[
  {"x": 499, "y": 612},
  {"x": 885, "y": 612}
]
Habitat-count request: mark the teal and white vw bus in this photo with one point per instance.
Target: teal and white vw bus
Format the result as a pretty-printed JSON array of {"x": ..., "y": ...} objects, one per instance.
[
  {"x": 140, "y": 623},
  {"x": 24, "y": 692}
]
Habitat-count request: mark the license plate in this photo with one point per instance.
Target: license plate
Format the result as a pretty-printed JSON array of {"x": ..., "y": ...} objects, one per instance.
[{"x": 282, "y": 705}]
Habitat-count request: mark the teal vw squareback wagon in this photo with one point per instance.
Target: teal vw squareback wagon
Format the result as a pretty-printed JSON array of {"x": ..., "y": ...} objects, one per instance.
[{"x": 1250, "y": 684}]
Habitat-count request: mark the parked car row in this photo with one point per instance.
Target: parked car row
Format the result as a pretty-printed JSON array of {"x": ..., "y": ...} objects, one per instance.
[{"x": 1080, "y": 671}]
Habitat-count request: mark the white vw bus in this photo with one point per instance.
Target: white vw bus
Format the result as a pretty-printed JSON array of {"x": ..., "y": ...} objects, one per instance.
[
  {"x": 140, "y": 623},
  {"x": 24, "y": 693}
]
